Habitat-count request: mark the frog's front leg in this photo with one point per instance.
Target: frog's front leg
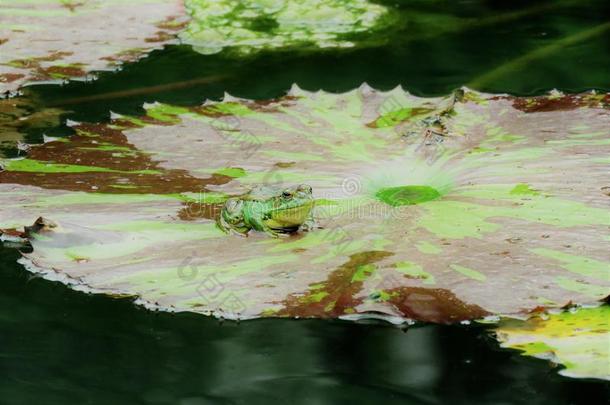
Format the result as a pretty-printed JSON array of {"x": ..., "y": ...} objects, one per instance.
[
  {"x": 232, "y": 229},
  {"x": 240, "y": 230},
  {"x": 256, "y": 216},
  {"x": 258, "y": 222},
  {"x": 309, "y": 223},
  {"x": 231, "y": 219}
]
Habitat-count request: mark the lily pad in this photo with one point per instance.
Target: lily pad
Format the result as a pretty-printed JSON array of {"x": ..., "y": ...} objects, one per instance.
[
  {"x": 253, "y": 25},
  {"x": 578, "y": 339},
  {"x": 56, "y": 40},
  {"x": 506, "y": 207}
]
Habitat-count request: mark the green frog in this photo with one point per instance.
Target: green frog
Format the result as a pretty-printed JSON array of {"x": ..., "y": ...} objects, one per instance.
[{"x": 269, "y": 211}]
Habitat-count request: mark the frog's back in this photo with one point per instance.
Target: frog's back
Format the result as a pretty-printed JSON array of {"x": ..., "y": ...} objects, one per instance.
[{"x": 262, "y": 193}]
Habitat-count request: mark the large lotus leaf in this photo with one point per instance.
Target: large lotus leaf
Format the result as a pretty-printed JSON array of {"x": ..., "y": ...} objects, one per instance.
[
  {"x": 579, "y": 340},
  {"x": 500, "y": 208},
  {"x": 62, "y": 39},
  {"x": 251, "y": 25}
]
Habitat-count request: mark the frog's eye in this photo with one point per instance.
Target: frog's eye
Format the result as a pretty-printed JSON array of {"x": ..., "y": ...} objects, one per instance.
[
  {"x": 286, "y": 194},
  {"x": 305, "y": 188}
]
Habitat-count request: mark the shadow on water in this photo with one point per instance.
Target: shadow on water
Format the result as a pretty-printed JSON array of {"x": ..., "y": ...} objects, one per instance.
[{"x": 59, "y": 346}]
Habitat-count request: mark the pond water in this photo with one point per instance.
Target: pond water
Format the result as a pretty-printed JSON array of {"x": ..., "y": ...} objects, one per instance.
[{"x": 61, "y": 346}]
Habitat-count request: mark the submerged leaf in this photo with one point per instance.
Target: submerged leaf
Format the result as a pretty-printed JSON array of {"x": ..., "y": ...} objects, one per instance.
[
  {"x": 55, "y": 40},
  {"x": 253, "y": 25},
  {"x": 480, "y": 206},
  {"x": 578, "y": 339}
]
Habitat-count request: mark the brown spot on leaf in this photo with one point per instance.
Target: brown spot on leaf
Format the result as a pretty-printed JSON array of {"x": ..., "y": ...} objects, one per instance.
[
  {"x": 161, "y": 36},
  {"x": 560, "y": 103},
  {"x": 435, "y": 305},
  {"x": 285, "y": 164},
  {"x": 339, "y": 288},
  {"x": 194, "y": 210},
  {"x": 10, "y": 77},
  {"x": 128, "y": 55},
  {"x": 172, "y": 23},
  {"x": 503, "y": 253},
  {"x": 63, "y": 71},
  {"x": 126, "y": 170},
  {"x": 540, "y": 309},
  {"x": 283, "y": 101},
  {"x": 40, "y": 73},
  {"x": 70, "y": 5},
  {"x": 12, "y": 232}
]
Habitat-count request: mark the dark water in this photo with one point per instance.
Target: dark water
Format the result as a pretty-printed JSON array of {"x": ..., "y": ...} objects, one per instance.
[{"x": 58, "y": 346}]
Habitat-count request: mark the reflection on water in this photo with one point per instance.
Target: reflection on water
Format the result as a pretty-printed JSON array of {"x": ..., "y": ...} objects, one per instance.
[{"x": 59, "y": 346}]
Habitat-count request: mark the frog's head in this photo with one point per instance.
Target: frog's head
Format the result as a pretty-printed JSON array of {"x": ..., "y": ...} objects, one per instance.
[{"x": 289, "y": 210}]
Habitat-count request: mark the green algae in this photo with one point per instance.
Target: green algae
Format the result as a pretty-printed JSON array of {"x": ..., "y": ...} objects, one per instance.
[
  {"x": 156, "y": 226},
  {"x": 428, "y": 248},
  {"x": 395, "y": 117},
  {"x": 524, "y": 189},
  {"x": 108, "y": 148},
  {"x": 292, "y": 156},
  {"x": 166, "y": 113},
  {"x": 229, "y": 108},
  {"x": 288, "y": 176},
  {"x": 414, "y": 270},
  {"x": 468, "y": 272},
  {"x": 363, "y": 272},
  {"x": 314, "y": 297},
  {"x": 578, "y": 264},
  {"x": 456, "y": 220},
  {"x": 588, "y": 289},
  {"x": 235, "y": 172},
  {"x": 100, "y": 198},
  {"x": 143, "y": 233},
  {"x": 34, "y": 166}
]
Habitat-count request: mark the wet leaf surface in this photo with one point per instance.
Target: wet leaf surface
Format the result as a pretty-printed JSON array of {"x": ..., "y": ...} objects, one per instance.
[{"x": 519, "y": 218}]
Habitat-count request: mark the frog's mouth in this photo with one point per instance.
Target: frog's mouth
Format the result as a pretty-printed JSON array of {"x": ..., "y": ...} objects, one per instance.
[{"x": 289, "y": 219}]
